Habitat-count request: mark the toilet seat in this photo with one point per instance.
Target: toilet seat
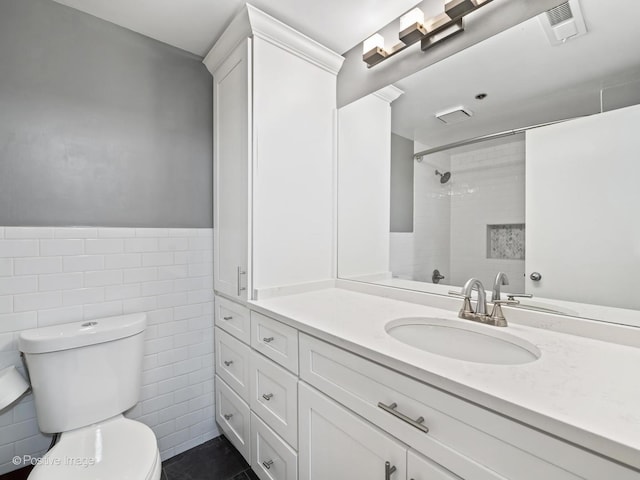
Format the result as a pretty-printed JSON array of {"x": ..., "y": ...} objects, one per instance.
[{"x": 116, "y": 449}]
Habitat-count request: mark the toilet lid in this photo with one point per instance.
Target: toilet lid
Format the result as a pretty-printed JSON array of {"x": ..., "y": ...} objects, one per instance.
[{"x": 119, "y": 448}]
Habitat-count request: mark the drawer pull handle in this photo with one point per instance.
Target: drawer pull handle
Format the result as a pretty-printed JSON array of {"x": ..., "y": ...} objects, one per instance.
[
  {"x": 388, "y": 470},
  {"x": 227, "y": 416},
  {"x": 418, "y": 423},
  {"x": 268, "y": 339},
  {"x": 227, "y": 318},
  {"x": 239, "y": 278},
  {"x": 228, "y": 363},
  {"x": 267, "y": 464},
  {"x": 267, "y": 396}
]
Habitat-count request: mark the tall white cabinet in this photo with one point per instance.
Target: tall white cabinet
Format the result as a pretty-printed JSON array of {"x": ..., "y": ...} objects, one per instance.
[
  {"x": 275, "y": 134},
  {"x": 232, "y": 154}
]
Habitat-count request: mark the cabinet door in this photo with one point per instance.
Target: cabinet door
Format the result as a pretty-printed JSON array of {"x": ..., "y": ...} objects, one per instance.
[
  {"x": 338, "y": 445},
  {"x": 232, "y": 154}
]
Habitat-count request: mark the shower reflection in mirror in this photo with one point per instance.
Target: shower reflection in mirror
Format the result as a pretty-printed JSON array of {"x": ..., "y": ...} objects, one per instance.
[{"x": 469, "y": 217}]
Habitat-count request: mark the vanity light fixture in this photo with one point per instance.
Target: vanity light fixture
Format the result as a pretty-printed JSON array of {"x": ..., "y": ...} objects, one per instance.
[
  {"x": 373, "y": 51},
  {"x": 414, "y": 28}
]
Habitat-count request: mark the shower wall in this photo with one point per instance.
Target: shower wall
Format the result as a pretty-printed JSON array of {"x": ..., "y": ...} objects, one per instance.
[
  {"x": 488, "y": 188},
  {"x": 451, "y": 220},
  {"x": 432, "y": 217}
]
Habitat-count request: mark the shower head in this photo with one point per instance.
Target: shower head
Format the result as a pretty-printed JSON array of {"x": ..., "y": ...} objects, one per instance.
[{"x": 444, "y": 177}]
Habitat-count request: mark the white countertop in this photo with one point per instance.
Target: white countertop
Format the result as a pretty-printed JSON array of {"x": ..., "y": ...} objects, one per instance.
[{"x": 583, "y": 390}]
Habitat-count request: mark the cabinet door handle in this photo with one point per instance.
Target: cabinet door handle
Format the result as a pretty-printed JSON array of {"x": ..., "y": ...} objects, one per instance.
[
  {"x": 267, "y": 464},
  {"x": 239, "y": 279},
  {"x": 267, "y": 396},
  {"x": 228, "y": 363},
  {"x": 388, "y": 470},
  {"x": 268, "y": 339},
  {"x": 417, "y": 423},
  {"x": 227, "y": 318},
  {"x": 227, "y": 416}
]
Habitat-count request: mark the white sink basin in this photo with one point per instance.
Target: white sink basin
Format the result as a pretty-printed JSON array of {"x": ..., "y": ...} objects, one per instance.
[{"x": 455, "y": 339}]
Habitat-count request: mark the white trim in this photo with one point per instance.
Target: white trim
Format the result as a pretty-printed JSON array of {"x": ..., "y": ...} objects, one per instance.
[
  {"x": 283, "y": 36},
  {"x": 238, "y": 30},
  {"x": 254, "y": 22},
  {"x": 390, "y": 93}
]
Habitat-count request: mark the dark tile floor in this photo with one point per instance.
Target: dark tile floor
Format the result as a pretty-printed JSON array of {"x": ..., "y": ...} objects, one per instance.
[{"x": 216, "y": 459}]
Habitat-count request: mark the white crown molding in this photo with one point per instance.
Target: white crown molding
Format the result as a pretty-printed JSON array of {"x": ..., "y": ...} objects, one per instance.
[
  {"x": 283, "y": 36},
  {"x": 254, "y": 22},
  {"x": 238, "y": 30},
  {"x": 389, "y": 93}
]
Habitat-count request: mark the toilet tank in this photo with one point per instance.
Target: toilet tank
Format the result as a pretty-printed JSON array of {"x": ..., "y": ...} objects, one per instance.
[{"x": 84, "y": 372}]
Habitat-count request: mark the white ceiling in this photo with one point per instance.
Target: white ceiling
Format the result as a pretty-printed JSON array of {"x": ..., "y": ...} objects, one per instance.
[
  {"x": 527, "y": 80},
  {"x": 194, "y": 25}
]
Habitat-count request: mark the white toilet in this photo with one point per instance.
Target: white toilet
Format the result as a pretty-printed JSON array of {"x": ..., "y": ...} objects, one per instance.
[{"x": 84, "y": 376}]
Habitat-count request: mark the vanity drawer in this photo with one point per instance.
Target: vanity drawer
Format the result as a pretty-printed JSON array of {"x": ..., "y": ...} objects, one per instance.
[
  {"x": 233, "y": 318},
  {"x": 271, "y": 457},
  {"x": 462, "y": 437},
  {"x": 232, "y": 362},
  {"x": 234, "y": 418},
  {"x": 275, "y": 340},
  {"x": 274, "y": 397}
]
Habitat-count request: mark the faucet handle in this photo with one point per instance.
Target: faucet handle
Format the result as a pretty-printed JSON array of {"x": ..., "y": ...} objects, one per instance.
[
  {"x": 506, "y": 302},
  {"x": 511, "y": 296}
]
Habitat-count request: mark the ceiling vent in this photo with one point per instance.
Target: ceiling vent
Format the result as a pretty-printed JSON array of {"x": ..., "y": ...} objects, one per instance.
[
  {"x": 563, "y": 22},
  {"x": 454, "y": 115}
]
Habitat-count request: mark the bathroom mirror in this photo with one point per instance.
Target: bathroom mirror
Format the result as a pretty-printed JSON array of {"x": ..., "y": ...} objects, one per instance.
[{"x": 561, "y": 222}]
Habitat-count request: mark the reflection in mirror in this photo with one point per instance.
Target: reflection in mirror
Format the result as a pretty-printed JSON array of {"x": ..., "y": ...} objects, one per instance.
[{"x": 554, "y": 207}]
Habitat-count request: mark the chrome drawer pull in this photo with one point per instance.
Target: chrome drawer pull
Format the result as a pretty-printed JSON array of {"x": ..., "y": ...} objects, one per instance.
[
  {"x": 267, "y": 396},
  {"x": 388, "y": 470},
  {"x": 418, "y": 423},
  {"x": 228, "y": 363},
  {"x": 227, "y": 318},
  {"x": 268, "y": 339},
  {"x": 267, "y": 464},
  {"x": 227, "y": 416}
]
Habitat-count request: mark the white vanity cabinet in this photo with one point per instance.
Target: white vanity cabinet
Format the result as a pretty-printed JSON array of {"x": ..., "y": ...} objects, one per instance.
[
  {"x": 257, "y": 398},
  {"x": 468, "y": 441},
  {"x": 310, "y": 409}
]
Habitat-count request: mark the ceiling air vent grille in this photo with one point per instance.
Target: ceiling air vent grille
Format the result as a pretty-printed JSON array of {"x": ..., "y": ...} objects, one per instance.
[
  {"x": 563, "y": 22},
  {"x": 560, "y": 14}
]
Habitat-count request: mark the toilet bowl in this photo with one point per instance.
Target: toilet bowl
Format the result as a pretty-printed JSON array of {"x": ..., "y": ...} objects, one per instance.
[
  {"x": 118, "y": 449},
  {"x": 84, "y": 376}
]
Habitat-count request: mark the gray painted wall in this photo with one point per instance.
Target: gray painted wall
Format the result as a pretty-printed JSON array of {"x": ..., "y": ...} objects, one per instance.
[
  {"x": 99, "y": 125},
  {"x": 401, "y": 184}
]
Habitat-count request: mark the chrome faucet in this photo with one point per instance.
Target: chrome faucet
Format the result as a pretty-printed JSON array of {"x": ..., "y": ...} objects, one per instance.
[
  {"x": 475, "y": 284},
  {"x": 480, "y": 314},
  {"x": 501, "y": 279}
]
